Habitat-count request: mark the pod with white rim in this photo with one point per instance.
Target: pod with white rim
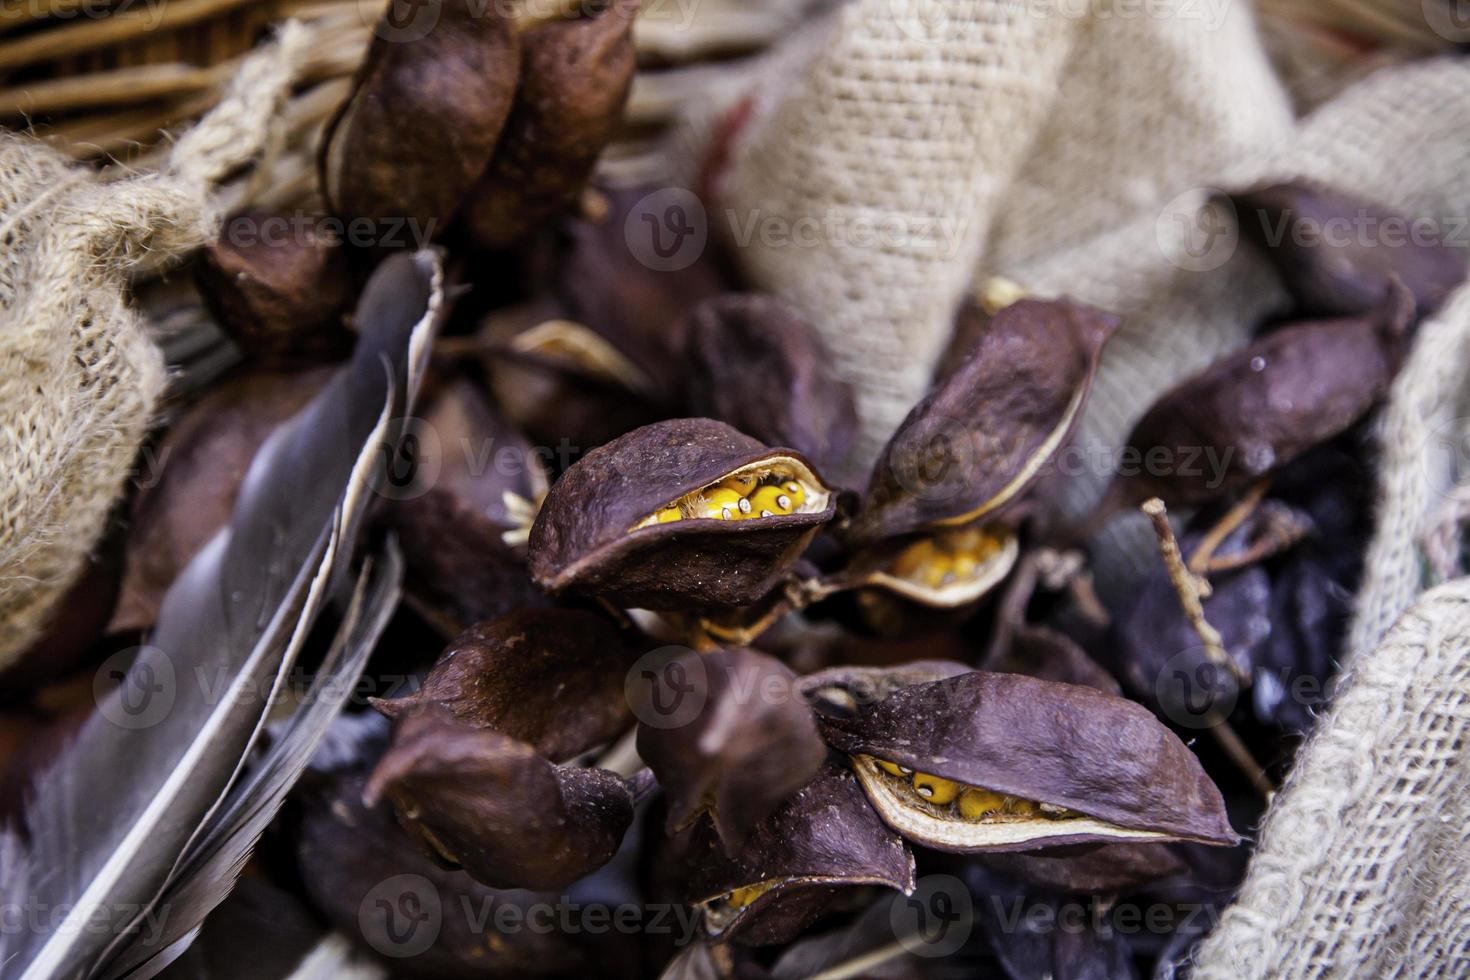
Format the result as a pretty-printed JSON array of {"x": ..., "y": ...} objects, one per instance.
[
  {"x": 979, "y": 762},
  {"x": 678, "y": 515}
]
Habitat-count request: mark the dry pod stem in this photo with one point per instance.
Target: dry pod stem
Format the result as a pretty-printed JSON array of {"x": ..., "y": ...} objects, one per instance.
[
  {"x": 748, "y": 748},
  {"x": 552, "y": 678},
  {"x": 678, "y": 514},
  {"x": 1336, "y": 253},
  {"x": 759, "y": 365},
  {"x": 979, "y": 440},
  {"x": 992, "y": 762},
  {"x": 821, "y": 841},
  {"x": 280, "y": 300},
  {"x": 424, "y": 115},
  {"x": 1262, "y": 406},
  {"x": 575, "y": 78},
  {"x": 494, "y": 806}
]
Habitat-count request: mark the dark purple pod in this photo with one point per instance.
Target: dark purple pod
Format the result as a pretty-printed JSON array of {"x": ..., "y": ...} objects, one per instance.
[
  {"x": 282, "y": 294},
  {"x": 822, "y": 841},
  {"x": 426, "y": 110},
  {"x": 993, "y": 762},
  {"x": 756, "y": 363},
  {"x": 1044, "y": 936},
  {"x": 1101, "y": 869},
  {"x": 907, "y": 581},
  {"x": 1050, "y": 655},
  {"x": 553, "y": 678},
  {"x": 494, "y": 806},
  {"x": 1336, "y": 253},
  {"x": 984, "y": 435},
  {"x": 1262, "y": 406},
  {"x": 747, "y": 746},
  {"x": 575, "y": 78},
  {"x": 678, "y": 514}
]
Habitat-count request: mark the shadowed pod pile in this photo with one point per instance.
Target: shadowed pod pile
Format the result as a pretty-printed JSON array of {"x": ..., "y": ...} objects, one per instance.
[{"x": 609, "y": 653}]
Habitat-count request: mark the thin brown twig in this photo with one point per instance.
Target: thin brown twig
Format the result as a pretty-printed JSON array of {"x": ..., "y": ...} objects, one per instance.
[
  {"x": 1233, "y": 518},
  {"x": 1231, "y": 744},
  {"x": 1188, "y": 587}
]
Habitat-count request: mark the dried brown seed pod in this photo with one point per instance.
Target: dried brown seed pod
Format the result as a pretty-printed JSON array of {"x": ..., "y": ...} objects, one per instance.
[
  {"x": 192, "y": 478},
  {"x": 1038, "y": 651},
  {"x": 675, "y": 515},
  {"x": 749, "y": 744},
  {"x": 553, "y": 678},
  {"x": 282, "y": 299},
  {"x": 756, "y": 363},
  {"x": 980, "y": 439},
  {"x": 993, "y": 762},
  {"x": 1104, "y": 869},
  {"x": 1262, "y": 406},
  {"x": 821, "y": 841},
  {"x": 575, "y": 77},
  {"x": 424, "y": 115},
  {"x": 947, "y": 569},
  {"x": 1336, "y": 253},
  {"x": 496, "y": 807}
]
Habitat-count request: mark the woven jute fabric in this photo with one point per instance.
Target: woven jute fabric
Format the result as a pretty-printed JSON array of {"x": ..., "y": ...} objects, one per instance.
[
  {"x": 79, "y": 376},
  {"x": 1073, "y": 152}
]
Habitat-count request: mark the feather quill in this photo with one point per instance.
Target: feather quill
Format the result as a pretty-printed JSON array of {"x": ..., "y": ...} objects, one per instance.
[{"x": 116, "y": 820}]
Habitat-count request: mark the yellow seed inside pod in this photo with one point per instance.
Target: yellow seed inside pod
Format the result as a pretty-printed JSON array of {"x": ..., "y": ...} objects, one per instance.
[
  {"x": 668, "y": 515},
  {"x": 743, "y": 484},
  {"x": 771, "y": 500},
  {"x": 977, "y": 803},
  {"x": 912, "y": 560},
  {"x": 721, "y": 504},
  {"x": 893, "y": 768},
  {"x": 742, "y": 897},
  {"x": 939, "y": 571},
  {"x": 935, "y": 789},
  {"x": 965, "y": 566},
  {"x": 795, "y": 491},
  {"x": 1021, "y": 808}
]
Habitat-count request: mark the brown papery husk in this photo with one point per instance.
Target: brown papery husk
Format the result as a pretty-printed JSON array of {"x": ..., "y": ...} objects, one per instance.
[
  {"x": 824, "y": 839},
  {"x": 553, "y": 678},
  {"x": 756, "y": 363},
  {"x": 752, "y": 744},
  {"x": 1295, "y": 223},
  {"x": 980, "y": 439},
  {"x": 583, "y": 540},
  {"x": 1102, "y": 756},
  {"x": 575, "y": 78},
  {"x": 1263, "y": 405},
  {"x": 424, "y": 116},
  {"x": 491, "y": 804}
]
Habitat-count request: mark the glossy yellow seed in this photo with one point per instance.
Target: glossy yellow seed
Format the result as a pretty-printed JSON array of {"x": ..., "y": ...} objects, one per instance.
[
  {"x": 668, "y": 515},
  {"x": 938, "y": 572},
  {"x": 965, "y": 566},
  {"x": 771, "y": 500},
  {"x": 742, "y": 897},
  {"x": 795, "y": 491},
  {"x": 1021, "y": 808},
  {"x": 893, "y": 768},
  {"x": 722, "y": 505},
  {"x": 744, "y": 484},
  {"x": 935, "y": 789},
  {"x": 912, "y": 560},
  {"x": 977, "y": 803}
]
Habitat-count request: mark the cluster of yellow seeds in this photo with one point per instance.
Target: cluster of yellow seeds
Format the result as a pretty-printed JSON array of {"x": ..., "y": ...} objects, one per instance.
[
  {"x": 947, "y": 557},
  {"x": 971, "y": 802},
  {"x": 738, "y": 498}
]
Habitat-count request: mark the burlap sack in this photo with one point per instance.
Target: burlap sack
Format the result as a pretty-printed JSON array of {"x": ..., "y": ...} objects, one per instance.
[
  {"x": 1070, "y": 150},
  {"x": 79, "y": 377}
]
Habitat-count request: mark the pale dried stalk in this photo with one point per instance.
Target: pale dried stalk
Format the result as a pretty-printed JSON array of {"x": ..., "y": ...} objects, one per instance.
[
  {"x": 128, "y": 25},
  {"x": 120, "y": 86},
  {"x": 1236, "y": 516},
  {"x": 1187, "y": 586}
]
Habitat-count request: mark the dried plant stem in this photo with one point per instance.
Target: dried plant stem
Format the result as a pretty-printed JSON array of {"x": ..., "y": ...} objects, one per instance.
[
  {"x": 1230, "y": 743},
  {"x": 1199, "y": 562},
  {"x": 1188, "y": 587},
  {"x": 89, "y": 35}
]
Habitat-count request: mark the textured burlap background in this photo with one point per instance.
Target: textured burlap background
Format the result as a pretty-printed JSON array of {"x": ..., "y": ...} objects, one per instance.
[
  {"x": 1071, "y": 151},
  {"x": 79, "y": 377}
]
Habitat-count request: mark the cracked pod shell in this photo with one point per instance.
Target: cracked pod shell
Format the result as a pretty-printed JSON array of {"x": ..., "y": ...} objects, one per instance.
[
  {"x": 1106, "y": 758},
  {"x": 587, "y": 539}
]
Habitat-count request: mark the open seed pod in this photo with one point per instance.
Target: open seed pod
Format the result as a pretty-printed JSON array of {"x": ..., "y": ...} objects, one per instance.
[
  {"x": 1336, "y": 253},
  {"x": 984, "y": 435},
  {"x": 491, "y": 804},
  {"x": 678, "y": 514},
  {"x": 575, "y": 78},
  {"x": 949, "y": 568},
  {"x": 281, "y": 293},
  {"x": 553, "y": 678},
  {"x": 759, "y": 365},
  {"x": 426, "y": 109},
  {"x": 823, "y": 840},
  {"x": 751, "y": 744},
  {"x": 992, "y": 762},
  {"x": 1263, "y": 405}
]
